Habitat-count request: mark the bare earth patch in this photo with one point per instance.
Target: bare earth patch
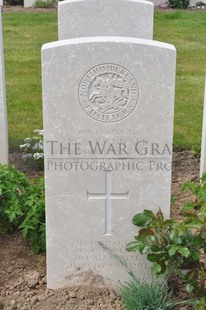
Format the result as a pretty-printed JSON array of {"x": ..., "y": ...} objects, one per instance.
[{"x": 23, "y": 275}]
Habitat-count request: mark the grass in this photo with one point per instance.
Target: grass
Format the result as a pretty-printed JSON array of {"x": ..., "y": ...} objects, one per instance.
[
  {"x": 143, "y": 296},
  {"x": 186, "y": 30},
  {"x": 25, "y": 33}
]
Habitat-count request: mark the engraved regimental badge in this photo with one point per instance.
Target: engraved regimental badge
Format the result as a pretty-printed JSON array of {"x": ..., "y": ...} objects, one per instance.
[{"x": 108, "y": 93}]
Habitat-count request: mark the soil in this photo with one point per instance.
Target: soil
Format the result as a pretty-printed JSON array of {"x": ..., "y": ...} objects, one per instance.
[{"x": 23, "y": 274}]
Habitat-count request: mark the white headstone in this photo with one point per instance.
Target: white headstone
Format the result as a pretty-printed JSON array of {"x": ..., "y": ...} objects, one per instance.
[
  {"x": 29, "y": 3},
  {"x": 86, "y": 18},
  {"x": 203, "y": 147},
  {"x": 3, "y": 110},
  {"x": 108, "y": 125}
]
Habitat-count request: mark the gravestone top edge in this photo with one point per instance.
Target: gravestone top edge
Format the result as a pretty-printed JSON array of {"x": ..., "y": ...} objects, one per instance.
[
  {"x": 108, "y": 39},
  {"x": 66, "y": 2},
  {"x": 85, "y": 18}
]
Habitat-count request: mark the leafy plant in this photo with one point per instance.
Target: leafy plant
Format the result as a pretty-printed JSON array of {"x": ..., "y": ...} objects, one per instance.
[
  {"x": 14, "y": 186},
  {"x": 179, "y": 4},
  {"x": 143, "y": 296},
  {"x": 33, "y": 226},
  {"x": 34, "y": 150},
  {"x": 174, "y": 246},
  {"x": 22, "y": 206},
  {"x": 200, "y": 3},
  {"x": 137, "y": 295}
]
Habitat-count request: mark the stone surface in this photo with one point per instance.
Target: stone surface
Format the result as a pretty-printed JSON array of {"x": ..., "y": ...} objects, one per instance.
[
  {"x": 29, "y": 3},
  {"x": 203, "y": 146},
  {"x": 85, "y": 18},
  {"x": 108, "y": 124},
  {"x": 3, "y": 109}
]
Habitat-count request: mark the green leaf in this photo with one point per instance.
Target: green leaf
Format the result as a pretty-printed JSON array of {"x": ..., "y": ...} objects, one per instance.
[
  {"x": 192, "y": 275},
  {"x": 197, "y": 223},
  {"x": 172, "y": 251},
  {"x": 184, "y": 251},
  {"x": 189, "y": 186},
  {"x": 177, "y": 248},
  {"x": 168, "y": 223},
  {"x": 35, "y": 247},
  {"x": 189, "y": 288},
  {"x": 143, "y": 248},
  {"x": 198, "y": 241},
  {"x": 173, "y": 234},
  {"x": 155, "y": 248},
  {"x": 195, "y": 255},
  {"x": 203, "y": 235},
  {"x": 203, "y": 210},
  {"x": 200, "y": 307},
  {"x": 154, "y": 257},
  {"x": 156, "y": 268},
  {"x": 163, "y": 268},
  {"x": 188, "y": 207},
  {"x": 202, "y": 194},
  {"x": 172, "y": 200},
  {"x": 145, "y": 232},
  {"x": 132, "y": 246},
  {"x": 149, "y": 213},
  {"x": 142, "y": 219}
]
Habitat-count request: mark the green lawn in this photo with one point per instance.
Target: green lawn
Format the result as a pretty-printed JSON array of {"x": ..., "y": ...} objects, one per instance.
[
  {"x": 187, "y": 31},
  {"x": 24, "y": 34}
]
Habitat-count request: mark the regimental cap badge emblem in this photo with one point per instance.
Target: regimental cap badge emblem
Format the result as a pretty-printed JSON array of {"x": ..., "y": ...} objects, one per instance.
[{"x": 108, "y": 93}]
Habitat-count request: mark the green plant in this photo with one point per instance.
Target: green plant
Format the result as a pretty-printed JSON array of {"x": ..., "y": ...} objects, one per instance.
[
  {"x": 14, "y": 186},
  {"x": 174, "y": 246},
  {"x": 137, "y": 295},
  {"x": 200, "y": 3},
  {"x": 33, "y": 226},
  {"x": 45, "y": 4},
  {"x": 34, "y": 150},
  {"x": 179, "y": 4},
  {"x": 143, "y": 296},
  {"x": 22, "y": 206}
]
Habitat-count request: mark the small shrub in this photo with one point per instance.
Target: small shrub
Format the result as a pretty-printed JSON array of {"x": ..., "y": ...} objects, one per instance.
[
  {"x": 22, "y": 206},
  {"x": 34, "y": 150},
  {"x": 14, "y": 186},
  {"x": 179, "y": 4},
  {"x": 200, "y": 3},
  {"x": 174, "y": 246},
  {"x": 33, "y": 226},
  {"x": 14, "y": 2},
  {"x": 46, "y": 4},
  {"x": 137, "y": 295},
  {"x": 143, "y": 296}
]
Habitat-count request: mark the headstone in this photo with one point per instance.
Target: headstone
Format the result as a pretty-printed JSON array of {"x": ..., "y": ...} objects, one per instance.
[
  {"x": 203, "y": 147},
  {"x": 124, "y": 18},
  {"x": 108, "y": 125},
  {"x": 3, "y": 110},
  {"x": 29, "y": 3}
]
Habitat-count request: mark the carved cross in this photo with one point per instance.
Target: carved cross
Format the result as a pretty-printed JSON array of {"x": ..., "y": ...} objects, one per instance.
[{"x": 108, "y": 196}]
